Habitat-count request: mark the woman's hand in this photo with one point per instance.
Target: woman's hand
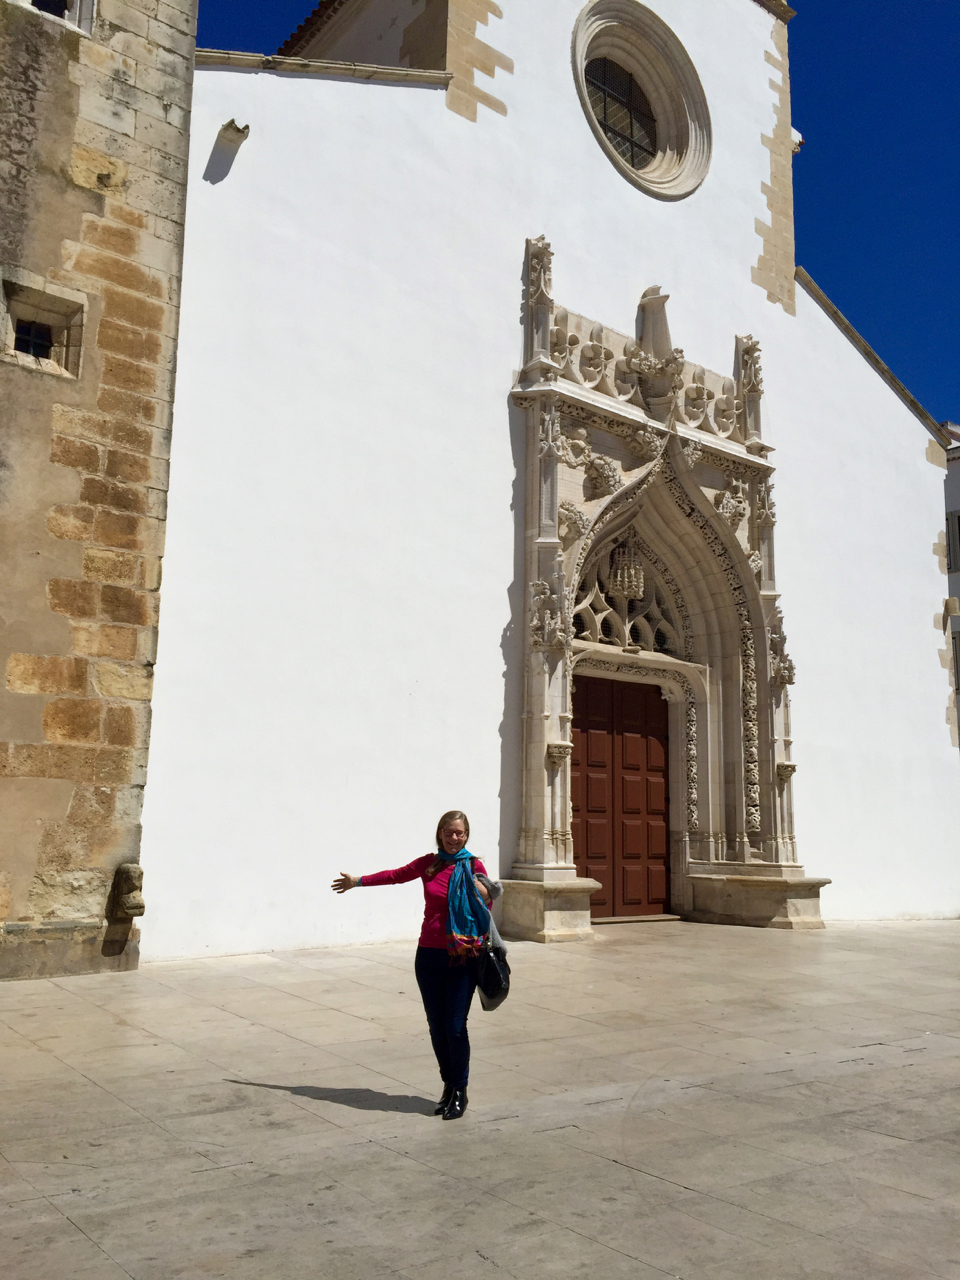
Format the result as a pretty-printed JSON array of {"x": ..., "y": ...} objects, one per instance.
[
  {"x": 482, "y": 890},
  {"x": 344, "y": 882}
]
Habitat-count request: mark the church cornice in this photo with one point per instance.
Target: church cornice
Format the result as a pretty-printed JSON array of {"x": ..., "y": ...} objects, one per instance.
[{"x": 779, "y": 8}]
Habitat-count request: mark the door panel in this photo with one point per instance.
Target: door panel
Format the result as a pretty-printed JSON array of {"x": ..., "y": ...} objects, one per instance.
[{"x": 620, "y": 795}]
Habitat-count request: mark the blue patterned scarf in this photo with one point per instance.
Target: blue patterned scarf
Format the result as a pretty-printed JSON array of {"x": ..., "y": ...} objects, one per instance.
[{"x": 468, "y": 919}]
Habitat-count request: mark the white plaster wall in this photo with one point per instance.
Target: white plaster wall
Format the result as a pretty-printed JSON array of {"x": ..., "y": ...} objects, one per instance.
[
  {"x": 341, "y": 541},
  {"x": 859, "y": 505}
]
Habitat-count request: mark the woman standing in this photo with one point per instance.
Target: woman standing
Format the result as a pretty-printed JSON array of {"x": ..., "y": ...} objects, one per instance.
[{"x": 456, "y": 920}]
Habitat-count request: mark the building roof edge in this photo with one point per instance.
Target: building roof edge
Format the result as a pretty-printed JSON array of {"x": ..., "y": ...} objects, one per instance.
[
  {"x": 311, "y": 24},
  {"x": 779, "y": 8},
  {"x": 810, "y": 286},
  {"x": 321, "y": 67}
]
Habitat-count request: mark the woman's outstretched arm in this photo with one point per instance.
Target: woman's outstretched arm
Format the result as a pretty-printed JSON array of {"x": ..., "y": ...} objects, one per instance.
[{"x": 400, "y": 875}]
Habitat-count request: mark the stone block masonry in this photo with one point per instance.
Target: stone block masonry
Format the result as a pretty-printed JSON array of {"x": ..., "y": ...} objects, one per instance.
[
  {"x": 96, "y": 128},
  {"x": 776, "y": 267}
]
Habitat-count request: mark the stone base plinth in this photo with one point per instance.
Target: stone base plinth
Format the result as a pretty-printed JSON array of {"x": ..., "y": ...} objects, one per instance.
[
  {"x": 761, "y": 901},
  {"x": 555, "y": 911},
  {"x": 55, "y": 950}
]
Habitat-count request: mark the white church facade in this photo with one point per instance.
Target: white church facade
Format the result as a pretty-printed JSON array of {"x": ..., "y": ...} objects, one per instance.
[
  {"x": 456, "y": 488},
  {"x": 516, "y": 468}
]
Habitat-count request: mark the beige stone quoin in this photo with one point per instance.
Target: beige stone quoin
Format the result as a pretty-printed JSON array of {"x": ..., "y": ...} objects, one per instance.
[{"x": 92, "y": 225}]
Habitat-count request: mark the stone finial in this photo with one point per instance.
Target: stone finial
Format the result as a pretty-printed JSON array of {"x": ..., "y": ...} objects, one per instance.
[{"x": 653, "y": 331}]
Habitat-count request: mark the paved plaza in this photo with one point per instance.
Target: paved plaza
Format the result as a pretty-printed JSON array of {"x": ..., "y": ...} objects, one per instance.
[{"x": 670, "y": 1099}]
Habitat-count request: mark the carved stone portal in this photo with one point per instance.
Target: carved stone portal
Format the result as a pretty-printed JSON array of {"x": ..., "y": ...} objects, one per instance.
[{"x": 649, "y": 557}]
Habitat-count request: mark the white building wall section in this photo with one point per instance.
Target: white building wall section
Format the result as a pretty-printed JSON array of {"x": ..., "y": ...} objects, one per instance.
[
  {"x": 859, "y": 501},
  {"x": 337, "y": 662}
]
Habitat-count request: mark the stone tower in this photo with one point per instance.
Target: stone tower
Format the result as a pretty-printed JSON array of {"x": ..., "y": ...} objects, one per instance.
[{"x": 96, "y": 102}]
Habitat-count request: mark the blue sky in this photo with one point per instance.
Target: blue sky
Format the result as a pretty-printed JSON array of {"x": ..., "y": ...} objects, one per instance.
[{"x": 876, "y": 95}]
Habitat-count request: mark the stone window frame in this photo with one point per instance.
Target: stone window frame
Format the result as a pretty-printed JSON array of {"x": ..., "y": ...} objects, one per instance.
[
  {"x": 26, "y": 296},
  {"x": 79, "y": 15},
  {"x": 638, "y": 40},
  {"x": 953, "y": 542}
]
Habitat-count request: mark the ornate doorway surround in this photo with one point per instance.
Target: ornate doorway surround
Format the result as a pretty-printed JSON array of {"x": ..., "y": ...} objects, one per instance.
[{"x": 649, "y": 557}]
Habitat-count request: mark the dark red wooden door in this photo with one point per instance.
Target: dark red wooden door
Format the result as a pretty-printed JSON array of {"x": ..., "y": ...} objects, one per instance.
[{"x": 619, "y": 793}]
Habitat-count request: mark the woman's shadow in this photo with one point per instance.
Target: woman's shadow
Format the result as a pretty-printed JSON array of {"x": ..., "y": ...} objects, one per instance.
[{"x": 361, "y": 1099}]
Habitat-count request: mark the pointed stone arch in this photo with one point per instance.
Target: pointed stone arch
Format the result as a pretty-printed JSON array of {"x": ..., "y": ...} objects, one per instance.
[{"x": 649, "y": 493}]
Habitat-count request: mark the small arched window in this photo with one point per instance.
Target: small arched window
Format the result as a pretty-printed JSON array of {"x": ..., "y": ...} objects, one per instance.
[{"x": 622, "y": 110}]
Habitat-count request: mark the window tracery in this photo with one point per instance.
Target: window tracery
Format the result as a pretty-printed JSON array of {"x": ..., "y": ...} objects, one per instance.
[{"x": 621, "y": 601}]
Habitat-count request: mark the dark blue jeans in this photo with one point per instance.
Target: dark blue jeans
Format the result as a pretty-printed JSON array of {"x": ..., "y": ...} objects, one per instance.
[{"x": 447, "y": 990}]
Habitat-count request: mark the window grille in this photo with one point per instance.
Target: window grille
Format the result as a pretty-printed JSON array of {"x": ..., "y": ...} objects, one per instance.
[
  {"x": 33, "y": 339},
  {"x": 623, "y": 111}
]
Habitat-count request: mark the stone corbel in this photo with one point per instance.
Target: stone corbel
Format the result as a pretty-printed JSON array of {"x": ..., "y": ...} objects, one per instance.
[
  {"x": 785, "y": 771},
  {"x": 126, "y": 896},
  {"x": 558, "y": 753}
]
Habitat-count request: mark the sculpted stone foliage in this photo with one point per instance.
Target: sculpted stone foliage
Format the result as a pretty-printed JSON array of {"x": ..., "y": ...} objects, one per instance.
[
  {"x": 574, "y": 522},
  {"x": 751, "y": 381},
  {"x": 748, "y": 663},
  {"x": 604, "y": 476},
  {"x": 549, "y": 623},
  {"x": 732, "y": 503},
  {"x": 782, "y": 670},
  {"x": 539, "y": 270},
  {"x": 617, "y": 424}
]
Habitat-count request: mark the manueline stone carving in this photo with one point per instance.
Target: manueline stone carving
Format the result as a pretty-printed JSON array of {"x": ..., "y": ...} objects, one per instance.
[
  {"x": 549, "y": 624},
  {"x": 693, "y": 452},
  {"x": 551, "y": 437},
  {"x": 766, "y": 507},
  {"x": 732, "y": 503},
  {"x": 604, "y": 476},
  {"x": 645, "y": 443},
  {"x": 626, "y": 567},
  {"x": 755, "y": 560},
  {"x": 749, "y": 703},
  {"x": 697, "y": 398},
  {"x": 782, "y": 670},
  {"x": 618, "y": 603},
  {"x": 727, "y": 410},
  {"x": 540, "y": 270},
  {"x": 595, "y": 360},
  {"x": 751, "y": 381},
  {"x": 575, "y": 445},
  {"x": 563, "y": 345},
  {"x": 574, "y": 522}
]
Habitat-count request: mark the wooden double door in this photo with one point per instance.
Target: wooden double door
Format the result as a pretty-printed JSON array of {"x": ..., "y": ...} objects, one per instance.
[{"x": 619, "y": 793}]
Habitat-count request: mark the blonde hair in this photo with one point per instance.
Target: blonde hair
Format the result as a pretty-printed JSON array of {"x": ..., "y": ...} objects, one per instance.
[{"x": 454, "y": 815}]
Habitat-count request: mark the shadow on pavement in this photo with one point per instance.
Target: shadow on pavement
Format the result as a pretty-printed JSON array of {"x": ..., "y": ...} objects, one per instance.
[{"x": 361, "y": 1099}]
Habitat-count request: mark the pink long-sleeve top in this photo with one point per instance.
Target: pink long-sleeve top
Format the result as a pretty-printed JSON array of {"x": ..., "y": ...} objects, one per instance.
[{"x": 434, "y": 930}]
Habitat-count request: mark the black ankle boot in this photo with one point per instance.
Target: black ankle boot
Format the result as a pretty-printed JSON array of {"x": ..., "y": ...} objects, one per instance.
[
  {"x": 457, "y": 1105},
  {"x": 442, "y": 1105}
]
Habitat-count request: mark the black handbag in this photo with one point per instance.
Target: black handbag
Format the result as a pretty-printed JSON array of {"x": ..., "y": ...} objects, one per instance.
[{"x": 493, "y": 976}]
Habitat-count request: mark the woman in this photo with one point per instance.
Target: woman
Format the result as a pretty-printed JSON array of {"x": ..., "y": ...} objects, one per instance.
[{"x": 456, "y": 920}]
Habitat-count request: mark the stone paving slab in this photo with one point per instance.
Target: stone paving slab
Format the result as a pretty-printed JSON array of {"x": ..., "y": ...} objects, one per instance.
[{"x": 681, "y": 1101}]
